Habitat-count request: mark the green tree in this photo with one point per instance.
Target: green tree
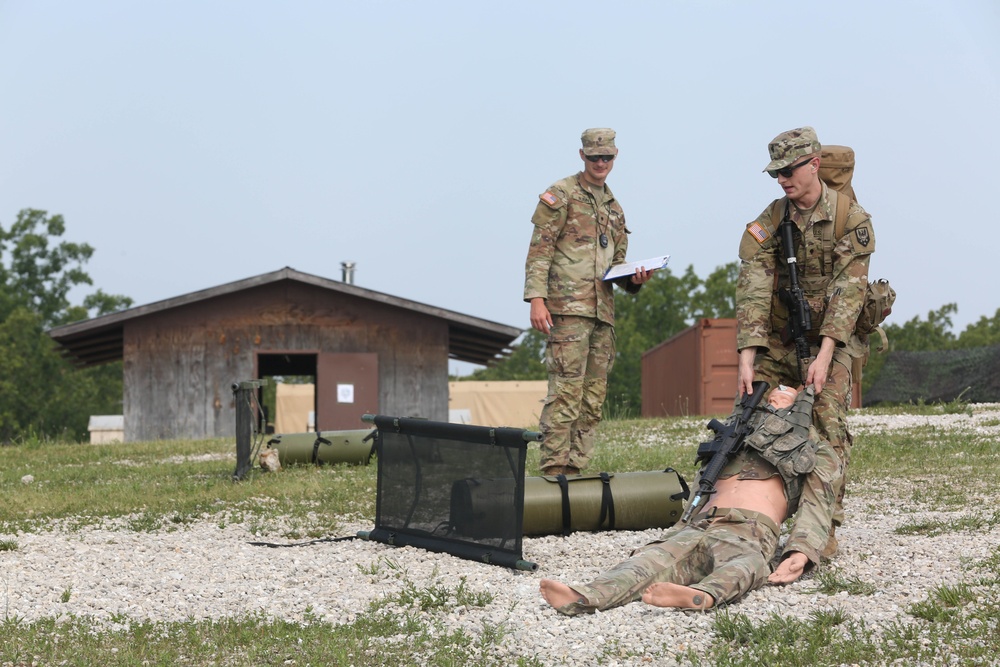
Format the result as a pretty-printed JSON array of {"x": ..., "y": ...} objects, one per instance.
[
  {"x": 39, "y": 275},
  {"x": 717, "y": 298},
  {"x": 526, "y": 361},
  {"x": 915, "y": 335},
  {"x": 665, "y": 306},
  {"x": 982, "y": 333},
  {"x": 41, "y": 394}
]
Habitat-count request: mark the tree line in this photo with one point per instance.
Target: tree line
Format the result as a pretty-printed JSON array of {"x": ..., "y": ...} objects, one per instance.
[
  {"x": 42, "y": 395},
  {"x": 668, "y": 304}
]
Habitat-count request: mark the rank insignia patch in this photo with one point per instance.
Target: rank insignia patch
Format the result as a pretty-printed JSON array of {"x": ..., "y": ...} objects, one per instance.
[{"x": 758, "y": 232}]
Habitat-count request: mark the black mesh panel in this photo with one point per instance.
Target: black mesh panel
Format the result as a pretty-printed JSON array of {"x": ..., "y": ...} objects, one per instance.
[{"x": 423, "y": 467}]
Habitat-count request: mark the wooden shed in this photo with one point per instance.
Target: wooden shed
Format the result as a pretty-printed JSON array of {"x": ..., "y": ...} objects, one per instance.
[
  {"x": 694, "y": 372},
  {"x": 369, "y": 352}
]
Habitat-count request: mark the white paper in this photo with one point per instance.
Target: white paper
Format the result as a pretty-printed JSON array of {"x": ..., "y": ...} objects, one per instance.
[
  {"x": 628, "y": 268},
  {"x": 345, "y": 393}
]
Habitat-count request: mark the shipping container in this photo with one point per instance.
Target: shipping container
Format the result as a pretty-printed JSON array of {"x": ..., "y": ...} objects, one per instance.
[{"x": 694, "y": 372}]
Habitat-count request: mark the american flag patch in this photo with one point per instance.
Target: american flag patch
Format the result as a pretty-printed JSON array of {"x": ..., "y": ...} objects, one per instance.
[
  {"x": 758, "y": 232},
  {"x": 549, "y": 198}
]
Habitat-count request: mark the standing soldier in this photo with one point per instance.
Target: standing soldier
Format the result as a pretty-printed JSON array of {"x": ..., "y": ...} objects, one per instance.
[
  {"x": 579, "y": 233},
  {"x": 832, "y": 274}
]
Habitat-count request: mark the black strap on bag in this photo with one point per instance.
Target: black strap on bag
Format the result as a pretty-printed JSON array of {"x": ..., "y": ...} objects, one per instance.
[
  {"x": 607, "y": 502},
  {"x": 566, "y": 518},
  {"x": 320, "y": 440}
]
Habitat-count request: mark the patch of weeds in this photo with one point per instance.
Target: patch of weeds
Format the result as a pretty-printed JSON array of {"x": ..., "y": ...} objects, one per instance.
[
  {"x": 991, "y": 566},
  {"x": 613, "y": 652},
  {"x": 436, "y": 597},
  {"x": 827, "y": 638},
  {"x": 468, "y": 598},
  {"x": 943, "y": 602},
  {"x": 492, "y": 634},
  {"x": 66, "y": 594},
  {"x": 374, "y": 569},
  {"x": 829, "y": 582},
  {"x": 144, "y": 522},
  {"x": 972, "y": 523},
  {"x": 8, "y": 545}
]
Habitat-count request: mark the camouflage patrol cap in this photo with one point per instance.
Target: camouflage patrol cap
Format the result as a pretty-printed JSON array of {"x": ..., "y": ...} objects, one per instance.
[
  {"x": 789, "y": 146},
  {"x": 599, "y": 141}
]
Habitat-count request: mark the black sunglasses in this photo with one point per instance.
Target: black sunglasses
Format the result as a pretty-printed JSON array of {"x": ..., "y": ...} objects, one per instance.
[
  {"x": 595, "y": 158},
  {"x": 786, "y": 172}
]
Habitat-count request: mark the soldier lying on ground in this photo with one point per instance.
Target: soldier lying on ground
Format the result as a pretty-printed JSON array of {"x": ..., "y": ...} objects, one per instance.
[{"x": 782, "y": 470}]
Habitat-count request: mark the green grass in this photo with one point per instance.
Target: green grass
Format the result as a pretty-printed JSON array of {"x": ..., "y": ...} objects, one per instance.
[
  {"x": 164, "y": 484},
  {"x": 955, "y": 625},
  {"x": 167, "y": 485}
]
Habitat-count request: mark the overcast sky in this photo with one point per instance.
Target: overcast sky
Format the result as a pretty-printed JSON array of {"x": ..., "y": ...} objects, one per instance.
[{"x": 198, "y": 143}]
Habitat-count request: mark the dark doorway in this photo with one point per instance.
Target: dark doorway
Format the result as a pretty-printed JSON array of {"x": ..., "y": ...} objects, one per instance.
[{"x": 291, "y": 371}]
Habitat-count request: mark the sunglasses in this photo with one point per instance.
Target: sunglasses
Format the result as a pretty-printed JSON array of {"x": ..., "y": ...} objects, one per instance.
[
  {"x": 786, "y": 172},
  {"x": 597, "y": 158}
]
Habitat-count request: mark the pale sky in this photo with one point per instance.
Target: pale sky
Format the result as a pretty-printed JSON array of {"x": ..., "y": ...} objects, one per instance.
[{"x": 198, "y": 143}]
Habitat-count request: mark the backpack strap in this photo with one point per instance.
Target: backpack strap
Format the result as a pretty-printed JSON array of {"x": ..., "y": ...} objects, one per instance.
[
  {"x": 832, "y": 234},
  {"x": 777, "y": 213}
]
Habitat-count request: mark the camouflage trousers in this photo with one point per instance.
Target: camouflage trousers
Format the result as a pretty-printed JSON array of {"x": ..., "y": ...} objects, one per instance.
[
  {"x": 726, "y": 556},
  {"x": 579, "y": 355},
  {"x": 779, "y": 365}
]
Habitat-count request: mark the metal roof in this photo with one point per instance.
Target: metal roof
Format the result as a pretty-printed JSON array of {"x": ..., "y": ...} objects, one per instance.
[{"x": 101, "y": 339}]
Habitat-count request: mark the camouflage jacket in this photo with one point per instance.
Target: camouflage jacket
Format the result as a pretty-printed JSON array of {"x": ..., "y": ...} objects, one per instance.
[
  {"x": 835, "y": 297},
  {"x": 566, "y": 262},
  {"x": 785, "y": 443}
]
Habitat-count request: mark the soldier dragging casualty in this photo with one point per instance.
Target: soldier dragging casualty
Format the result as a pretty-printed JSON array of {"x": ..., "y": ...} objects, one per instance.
[{"x": 725, "y": 551}]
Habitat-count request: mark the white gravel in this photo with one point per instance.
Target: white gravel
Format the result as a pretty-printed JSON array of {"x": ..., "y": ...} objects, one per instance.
[{"x": 207, "y": 571}]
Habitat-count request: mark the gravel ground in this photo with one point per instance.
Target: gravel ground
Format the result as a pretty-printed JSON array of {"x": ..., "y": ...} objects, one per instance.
[{"x": 202, "y": 570}]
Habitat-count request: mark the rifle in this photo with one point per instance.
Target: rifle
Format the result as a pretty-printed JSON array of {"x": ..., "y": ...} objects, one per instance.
[
  {"x": 728, "y": 440},
  {"x": 799, "y": 317}
]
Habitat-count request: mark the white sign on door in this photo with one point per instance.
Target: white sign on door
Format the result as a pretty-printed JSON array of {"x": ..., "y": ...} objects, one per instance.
[{"x": 345, "y": 393}]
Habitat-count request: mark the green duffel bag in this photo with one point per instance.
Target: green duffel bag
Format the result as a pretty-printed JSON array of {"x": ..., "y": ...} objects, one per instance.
[
  {"x": 326, "y": 447},
  {"x": 561, "y": 505}
]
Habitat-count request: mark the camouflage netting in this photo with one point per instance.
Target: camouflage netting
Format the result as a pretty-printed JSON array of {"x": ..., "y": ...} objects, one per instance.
[{"x": 938, "y": 376}]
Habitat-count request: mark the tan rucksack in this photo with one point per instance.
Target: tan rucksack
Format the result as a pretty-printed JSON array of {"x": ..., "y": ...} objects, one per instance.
[{"x": 836, "y": 169}]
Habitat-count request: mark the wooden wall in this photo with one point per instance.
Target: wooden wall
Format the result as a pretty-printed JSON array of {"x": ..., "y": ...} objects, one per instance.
[{"x": 180, "y": 364}]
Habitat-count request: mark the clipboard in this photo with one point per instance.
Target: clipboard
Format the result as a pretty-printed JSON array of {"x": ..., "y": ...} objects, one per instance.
[{"x": 628, "y": 268}]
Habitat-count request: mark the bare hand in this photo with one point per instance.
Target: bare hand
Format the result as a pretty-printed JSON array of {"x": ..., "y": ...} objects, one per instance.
[
  {"x": 541, "y": 319},
  {"x": 790, "y": 569},
  {"x": 819, "y": 368},
  {"x": 744, "y": 371},
  {"x": 641, "y": 275}
]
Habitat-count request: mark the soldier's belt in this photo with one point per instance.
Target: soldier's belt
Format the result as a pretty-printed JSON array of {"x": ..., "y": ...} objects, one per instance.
[{"x": 723, "y": 512}]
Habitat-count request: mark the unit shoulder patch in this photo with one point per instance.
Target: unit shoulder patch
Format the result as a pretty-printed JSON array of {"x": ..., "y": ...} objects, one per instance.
[{"x": 864, "y": 238}]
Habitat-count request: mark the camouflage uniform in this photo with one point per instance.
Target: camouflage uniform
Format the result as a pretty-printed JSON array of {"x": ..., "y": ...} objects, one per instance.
[
  {"x": 835, "y": 293},
  {"x": 565, "y": 266},
  {"x": 726, "y": 552}
]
